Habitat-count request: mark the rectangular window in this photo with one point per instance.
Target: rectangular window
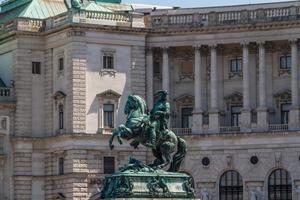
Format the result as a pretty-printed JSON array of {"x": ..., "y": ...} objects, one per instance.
[
  {"x": 285, "y": 62},
  {"x": 61, "y": 64},
  {"x": 235, "y": 115},
  {"x": 36, "y": 67},
  {"x": 61, "y": 166},
  {"x": 156, "y": 68},
  {"x": 61, "y": 117},
  {"x": 187, "y": 117},
  {"x": 236, "y": 65},
  {"x": 284, "y": 114},
  {"x": 108, "y": 61},
  {"x": 108, "y": 165},
  {"x": 108, "y": 110}
]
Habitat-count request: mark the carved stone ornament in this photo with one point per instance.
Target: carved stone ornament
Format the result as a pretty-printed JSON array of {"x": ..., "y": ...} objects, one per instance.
[
  {"x": 185, "y": 99},
  {"x": 158, "y": 188},
  {"x": 108, "y": 72},
  {"x": 229, "y": 161},
  {"x": 234, "y": 99},
  {"x": 283, "y": 97},
  {"x": 278, "y": 157},
  {"x": 109, "y": 94},
  {"x": 59, "y": 95},
  {"x": 205, "y": 195}
]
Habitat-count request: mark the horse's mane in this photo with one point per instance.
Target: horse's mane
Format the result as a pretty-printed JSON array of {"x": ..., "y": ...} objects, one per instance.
[{"x": 142, "y": 103}]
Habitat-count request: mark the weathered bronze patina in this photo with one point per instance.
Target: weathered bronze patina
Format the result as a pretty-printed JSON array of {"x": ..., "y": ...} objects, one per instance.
[{"x": 138, "y": 180}]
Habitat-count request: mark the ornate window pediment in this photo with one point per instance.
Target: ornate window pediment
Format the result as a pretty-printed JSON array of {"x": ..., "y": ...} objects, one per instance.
[
  {"x": 283, "y": 97},
  {"x": 109, "y": 94},
  {"x": 185, "y": 99},
  {"x": 234, "y": 99}
]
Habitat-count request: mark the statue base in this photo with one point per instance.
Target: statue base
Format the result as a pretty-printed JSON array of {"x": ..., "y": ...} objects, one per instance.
[{"x": 137, "y": 180}]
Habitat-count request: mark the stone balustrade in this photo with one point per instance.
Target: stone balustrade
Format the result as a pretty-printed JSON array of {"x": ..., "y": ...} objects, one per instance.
[
  {"x": 278, "y": 127},
  {"x": 182, "y": 131},
  {"x": 212, "y": 18},
  {"x": 6, "y": 94}
]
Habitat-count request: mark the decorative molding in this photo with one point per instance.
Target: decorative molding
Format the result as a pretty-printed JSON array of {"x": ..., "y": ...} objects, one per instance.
[
  {"x": 109, "y": 72},
  {"x": 234, "y": 99},
  {"x": 185, "y": 99},
  {"x": 109, "y": 94},
  {"x": 79, "y": 33},
  {"x": 283, "y": 97},
  {"x": 59, "y": 95}
]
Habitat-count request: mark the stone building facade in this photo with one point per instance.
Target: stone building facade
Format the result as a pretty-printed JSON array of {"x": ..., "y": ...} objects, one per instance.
[{"x": 232, "y": 73}]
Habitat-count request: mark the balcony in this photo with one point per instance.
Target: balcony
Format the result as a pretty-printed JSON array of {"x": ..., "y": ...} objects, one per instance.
[
  {"x": 243, "y": 15},
  {"x": 230, "y": 129},
  {"x": 105, "y": 131},
  {"x": 6, "y": 94},
  {"x": 278, "y": 127},
  {"x": 182, "y": 131}
]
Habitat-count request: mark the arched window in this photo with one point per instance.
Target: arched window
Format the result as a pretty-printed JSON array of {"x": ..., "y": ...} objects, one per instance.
[
  {"x": 280, "y": 185},
  {"x": 231, "y": 186}
]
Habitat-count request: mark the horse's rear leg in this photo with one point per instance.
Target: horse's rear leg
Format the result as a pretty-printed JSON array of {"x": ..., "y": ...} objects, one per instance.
[
  {"x": 158, "y": 158},
  {"x": 167, "y": 162}
]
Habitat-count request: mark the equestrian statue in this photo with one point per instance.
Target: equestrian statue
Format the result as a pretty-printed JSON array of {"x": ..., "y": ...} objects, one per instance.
[{"x": 151, "y": 130}]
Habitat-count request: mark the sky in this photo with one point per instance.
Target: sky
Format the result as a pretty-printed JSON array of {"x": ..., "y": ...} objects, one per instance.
[{"x": 199, "y": 3}]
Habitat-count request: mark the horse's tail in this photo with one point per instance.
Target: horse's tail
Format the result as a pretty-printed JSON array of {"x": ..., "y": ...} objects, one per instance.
[{"x": 178, "y": 156}]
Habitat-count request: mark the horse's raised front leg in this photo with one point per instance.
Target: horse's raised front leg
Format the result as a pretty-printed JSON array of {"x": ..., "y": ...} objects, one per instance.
[{"x": 116, "y": 132}]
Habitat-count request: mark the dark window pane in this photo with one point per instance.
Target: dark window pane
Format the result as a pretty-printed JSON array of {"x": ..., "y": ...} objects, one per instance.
[
  {"x": 186, "y": 117},
  {"x": 36, "y": 67},
  {"x": 284, "y": 114},
  {"x": 61, "y": 64},
  {"x": 235, "y": 115},
  {"x": 285, "y": 62},
  {"x": 61, "y": 116},
  {"x": 61, "y": 166},
  {"x": 156, "y": 68},
  {"x": 236, "y": 65},
  {"x": 108, "y": 110},
  {"x": 279, "y": 185},
  {"x": 231, "y": 186},
  {"x": 109, "y": 165},
  {"x": 108, "y": 62}
]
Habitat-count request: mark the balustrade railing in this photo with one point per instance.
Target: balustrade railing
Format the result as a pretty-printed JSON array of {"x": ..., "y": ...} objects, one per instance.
[
  {"x": 278, "y": 127},
  {"x": 182, "y": 131},
  {"x": 105, "y": 131},
  {"x": 230, "y": 129},
  {"x": 226, "y": 18}
]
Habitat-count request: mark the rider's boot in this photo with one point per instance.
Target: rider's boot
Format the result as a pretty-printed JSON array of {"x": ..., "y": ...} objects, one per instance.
[{"x": 151, "y": 139}]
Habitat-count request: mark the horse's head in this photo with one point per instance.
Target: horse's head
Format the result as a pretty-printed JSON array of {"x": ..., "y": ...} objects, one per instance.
[{"x": 135, "y": 102}]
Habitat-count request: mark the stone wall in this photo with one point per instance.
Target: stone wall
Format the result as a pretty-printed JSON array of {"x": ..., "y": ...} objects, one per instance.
[{"x": 138, "y": 70}]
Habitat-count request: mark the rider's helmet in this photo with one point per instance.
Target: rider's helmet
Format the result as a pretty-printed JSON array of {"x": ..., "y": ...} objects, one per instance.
[{"x": 162, "y": 93}]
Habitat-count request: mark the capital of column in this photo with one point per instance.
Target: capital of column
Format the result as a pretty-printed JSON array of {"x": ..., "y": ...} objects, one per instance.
[
  {"x": 165, "y": 48},
  {"x": 261, "y": 43},
  {"x": 213, "y": 45},
  {"x": 197, "y": 47},
  {"x": 245, "y": 44},
  {"x": 293, "y": 41}
]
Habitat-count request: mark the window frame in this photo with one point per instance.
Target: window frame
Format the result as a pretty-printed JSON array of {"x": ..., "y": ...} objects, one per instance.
[
  {"x": 105, "y": 61},
  {"x": 233, "y": 114},
  {"x": 61, "y": 166},
  {"x": 36, "y": 67},
  {"x": 283, "y": 189},
  {"x": 107, "y": 52},
  {"x": 186, "y": 115},
  {"x": 61, "y": 115},
  {"x": 112, "y": 115},
  {"x": 285, "y": 57},
  {"x": 233, "y": 189},
  {"x": 236, "y": 68},
  {"x": 61, "y": 64}
]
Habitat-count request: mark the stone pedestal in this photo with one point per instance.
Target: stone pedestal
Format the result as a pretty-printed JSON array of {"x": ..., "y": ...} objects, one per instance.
[
  {"x": 148, "y": 185},
  {"x": 245, "y": 120},
  {"x": 294, "y": 119},
  {"x": 214, "y": 122},
  {"x": 197, "y": 122},
  {"x": 262, "y": 119}
]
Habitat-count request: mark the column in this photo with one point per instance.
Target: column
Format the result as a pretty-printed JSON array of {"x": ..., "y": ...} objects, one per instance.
[
  {"x": 198, "y": 90},
  {"x": 214, "y": 117},
  {"x": 262, "y": 111},
  {"x": 166, "y": 75},
  {"x": 149, "y": 77},
  {"x": 165, "y": 70},
  {"x": 245, "y": 120},
  {"x": 294, "y": 118}
]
